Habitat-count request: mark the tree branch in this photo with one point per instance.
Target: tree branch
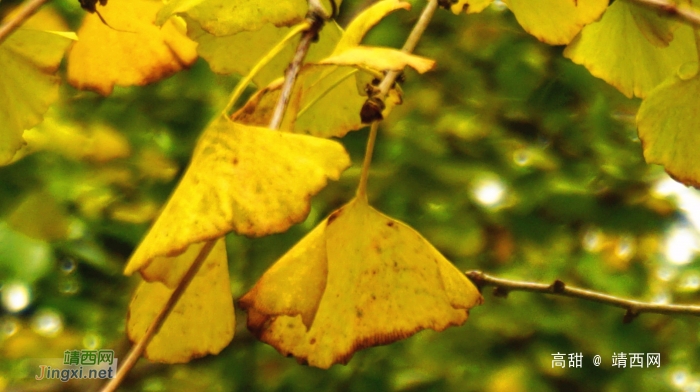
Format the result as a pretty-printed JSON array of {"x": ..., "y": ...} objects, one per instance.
[
  {"x": 28, "y": 9},
  {"x": 686, "y": 14},
  {"x": 316, "y": 17},
  {"x": 634, "y": 308}
]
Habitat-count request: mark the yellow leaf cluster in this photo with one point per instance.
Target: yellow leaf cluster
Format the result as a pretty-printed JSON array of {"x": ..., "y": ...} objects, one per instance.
[
  {"x": 359, "y": 279},
  {"x": 133, "y": 51},
  {"x": 227, "y": 187},
  {"x": 328, "y": 95}
]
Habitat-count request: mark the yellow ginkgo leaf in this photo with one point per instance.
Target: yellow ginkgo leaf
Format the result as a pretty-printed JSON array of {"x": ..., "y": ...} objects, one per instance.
[
  {"x": 362, "y": 23},
  {"x": 615, "y": 50},
  {"x": 384, "y": 59},
  {"x": 254, "y": 181},
  {"x": 359, "y": 279},
  {"x": 556, "y": 22},
  {"x": 202, "y": 322},
  {"x": 223, "y": 17},
  {"x": 28, "y": 85},
  {"x": 328, "y": 95},
  {"x": 668, "y": 123},
  {"x": 133, "y": 52},
  {"x": 241, "y": 52},
  {"x": 325, "y": 102}
]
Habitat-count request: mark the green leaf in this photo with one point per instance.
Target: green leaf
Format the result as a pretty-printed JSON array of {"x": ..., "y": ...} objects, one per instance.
[
  {"x": 617, "y": 51},
  {"x": 668, "y": 122}
]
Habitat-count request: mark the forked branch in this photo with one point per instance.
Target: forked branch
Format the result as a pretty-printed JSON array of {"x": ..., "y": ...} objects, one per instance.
[{"x": 634, "y": 308}]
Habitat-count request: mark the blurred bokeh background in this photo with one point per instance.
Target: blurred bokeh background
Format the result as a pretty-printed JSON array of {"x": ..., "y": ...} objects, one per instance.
[{"x": 508, "y": 158}]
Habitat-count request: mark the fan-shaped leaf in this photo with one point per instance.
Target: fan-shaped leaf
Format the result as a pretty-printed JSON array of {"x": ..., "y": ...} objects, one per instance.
[
  {"x": 251, "y": 180},
  {"x": 668, "y": 122},
  {"x": 139, "y": 53},
  {"x": 359, "y": 279},
  {"x": 202, "y": 322},
  {"x": 556, "y": 22},
  {"x": 615, "y": 50}
]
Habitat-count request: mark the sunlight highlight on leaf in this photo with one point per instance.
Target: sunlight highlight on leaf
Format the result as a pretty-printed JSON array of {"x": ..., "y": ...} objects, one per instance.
[
  {"x": 139, "y": 54},
  {"x": 203, "y": 320},
  {"x": 254, "y": 181},
  {"x": 359, "y": 279}
]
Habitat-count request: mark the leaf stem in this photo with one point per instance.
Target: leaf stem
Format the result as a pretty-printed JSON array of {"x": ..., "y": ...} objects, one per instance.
[
  {"x": 634, "y": 308},
  {"x": 29, "y": 8},
  {"x": 243, "y": 83},
  {"x": 686, "y": 14},
  {"x": 386, "y": 84},
  {"x": 362, "y": 188},
  {"x": 409, "y": 45},
  {"x": 136, "y": 351}
]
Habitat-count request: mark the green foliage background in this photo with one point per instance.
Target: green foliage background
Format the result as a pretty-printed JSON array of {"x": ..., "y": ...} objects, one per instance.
[{"x": 502, "y": 108}]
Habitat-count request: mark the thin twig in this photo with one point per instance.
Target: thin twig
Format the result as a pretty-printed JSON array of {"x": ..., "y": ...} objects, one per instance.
[
  {"x": 243, "y": 83},
  {"x": 374, "y": 104},
  {"x": 409, "y": 45},
  {"x": 634, "y": 308},
  {"x": 362, "y": 188},
  {"x": 28, "y": 9},
  {"x": 684, "y": 13},
  {"x": 315, "y": 17},
  {"x": 136, "y": 351}
]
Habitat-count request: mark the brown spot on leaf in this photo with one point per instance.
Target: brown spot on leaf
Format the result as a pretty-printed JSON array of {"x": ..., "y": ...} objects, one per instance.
[{"x": 334, "y": 216}]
